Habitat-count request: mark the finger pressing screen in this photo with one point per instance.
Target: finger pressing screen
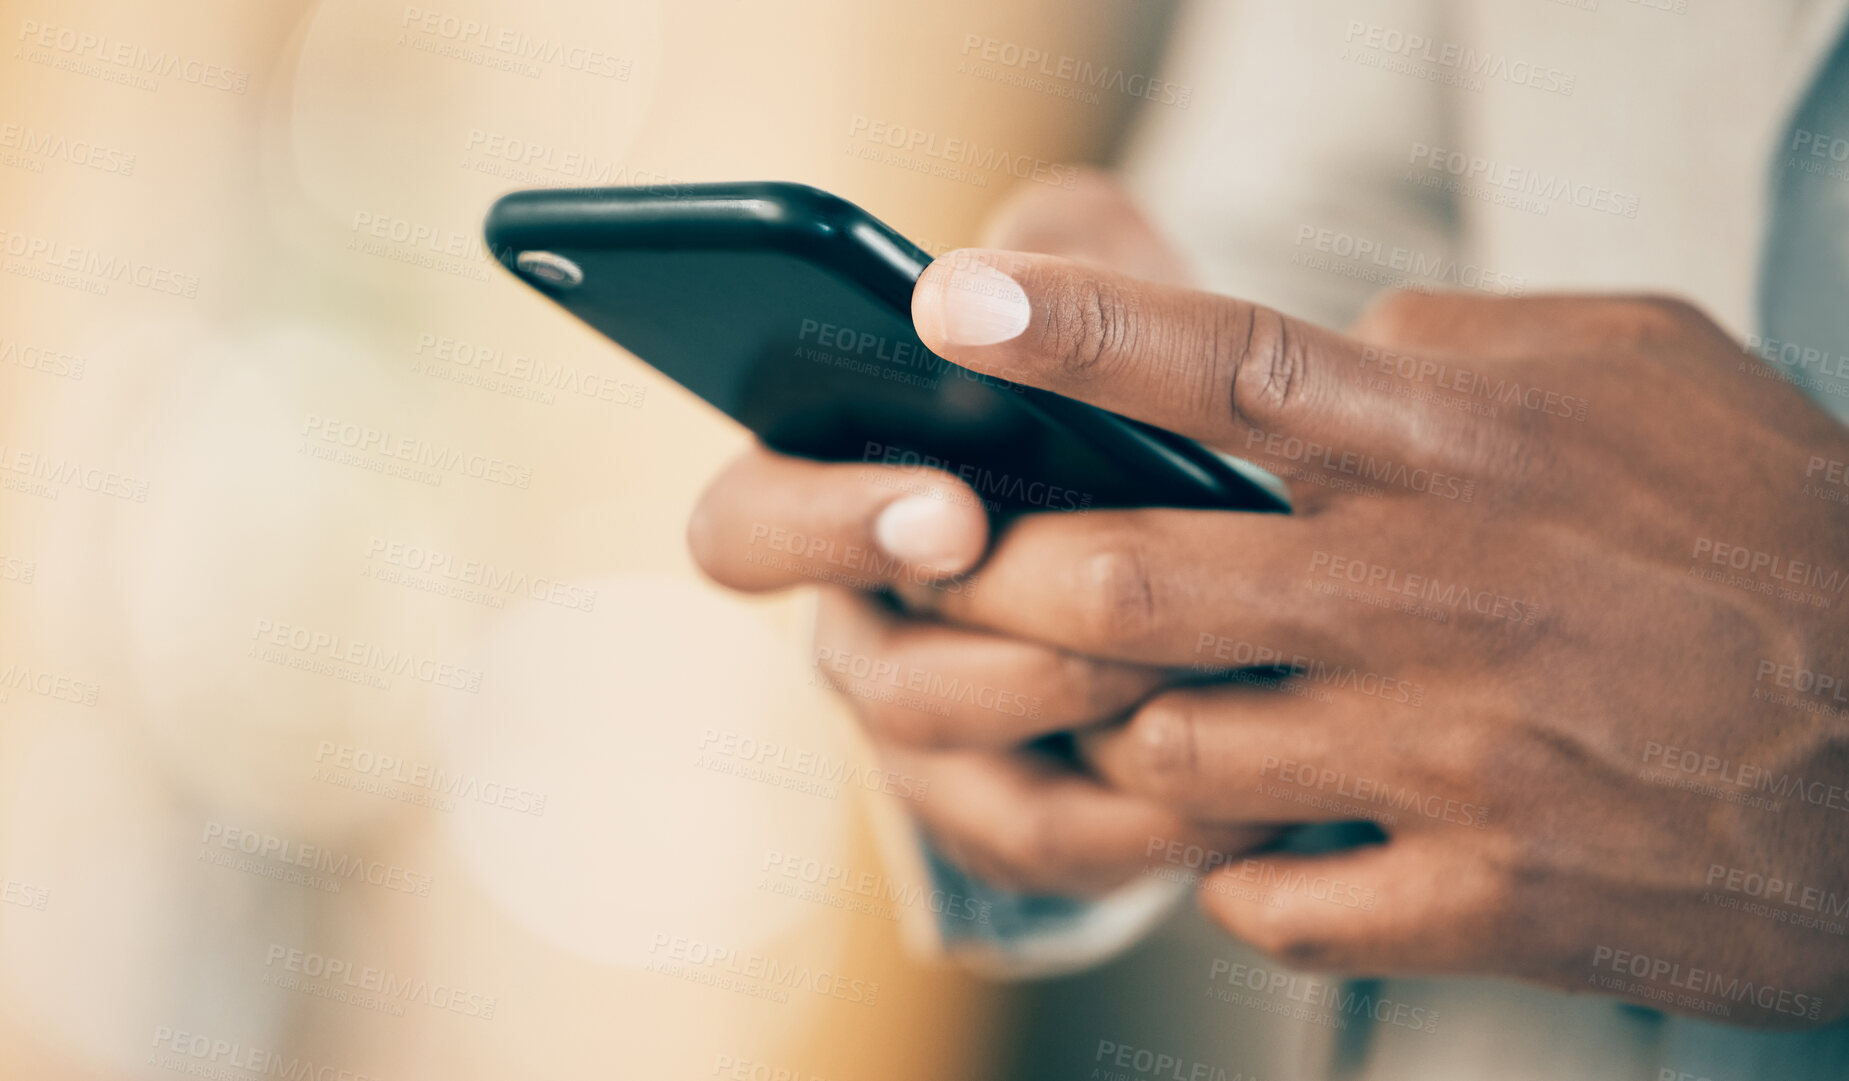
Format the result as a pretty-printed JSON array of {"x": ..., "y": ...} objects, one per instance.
[{"x": 1234, "y": 375}]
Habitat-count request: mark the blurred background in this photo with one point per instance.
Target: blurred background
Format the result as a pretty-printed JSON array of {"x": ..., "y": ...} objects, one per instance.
[{"x": 361, "y": 714}]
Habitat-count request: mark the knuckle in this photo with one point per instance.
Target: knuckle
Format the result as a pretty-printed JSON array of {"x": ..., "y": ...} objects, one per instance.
[
  {"x": 1472, "y": 751},
  {"x": 1165, "y": 749},
  {"x": 1458, "y": 763},
  {"x": 1269, "y": 369},
  {"x": 1088, "y": 325},
  {"x": 1116, "y": 599}
]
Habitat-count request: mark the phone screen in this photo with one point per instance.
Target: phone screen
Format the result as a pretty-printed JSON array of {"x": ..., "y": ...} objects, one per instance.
[{"x": 790, "y": 309}]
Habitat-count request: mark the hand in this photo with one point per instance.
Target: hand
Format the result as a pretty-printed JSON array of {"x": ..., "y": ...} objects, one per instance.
[
  {"x": 1565, "y": 611},
  {"x": 953, "y": 707}
]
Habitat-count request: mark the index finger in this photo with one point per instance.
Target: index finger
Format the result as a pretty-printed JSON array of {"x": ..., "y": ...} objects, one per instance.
[{"x": 1226, "y": 372}]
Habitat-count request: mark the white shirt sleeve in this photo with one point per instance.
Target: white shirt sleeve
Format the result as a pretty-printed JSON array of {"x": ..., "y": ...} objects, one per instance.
[{"x": 1271, "y": 165}]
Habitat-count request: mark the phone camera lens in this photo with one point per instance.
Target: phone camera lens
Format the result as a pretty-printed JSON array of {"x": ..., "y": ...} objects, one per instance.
[{"x": 550, "y": 268}]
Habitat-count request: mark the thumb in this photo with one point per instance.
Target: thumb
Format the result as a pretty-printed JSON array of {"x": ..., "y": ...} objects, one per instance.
[{"x": 771, "y": 522}]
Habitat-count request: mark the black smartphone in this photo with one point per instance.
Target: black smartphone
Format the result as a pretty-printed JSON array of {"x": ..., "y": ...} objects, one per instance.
[{"x": 790, "y": 310}]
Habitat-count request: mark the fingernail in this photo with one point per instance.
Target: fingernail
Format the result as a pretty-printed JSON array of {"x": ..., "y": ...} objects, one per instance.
[
  {"x": 977, "y": 304},
  {"x": 926, "y": 531}
]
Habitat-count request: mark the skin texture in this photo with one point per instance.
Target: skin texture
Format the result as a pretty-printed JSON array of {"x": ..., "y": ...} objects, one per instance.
[{"x": 1549, "y": 597}]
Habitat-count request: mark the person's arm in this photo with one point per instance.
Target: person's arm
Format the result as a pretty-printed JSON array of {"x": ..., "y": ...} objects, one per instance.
[{"x": 1583, "y": 657}]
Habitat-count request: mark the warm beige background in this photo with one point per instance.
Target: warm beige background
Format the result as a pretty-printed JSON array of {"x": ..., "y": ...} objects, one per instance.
[{"x": 113, "y": 927}]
